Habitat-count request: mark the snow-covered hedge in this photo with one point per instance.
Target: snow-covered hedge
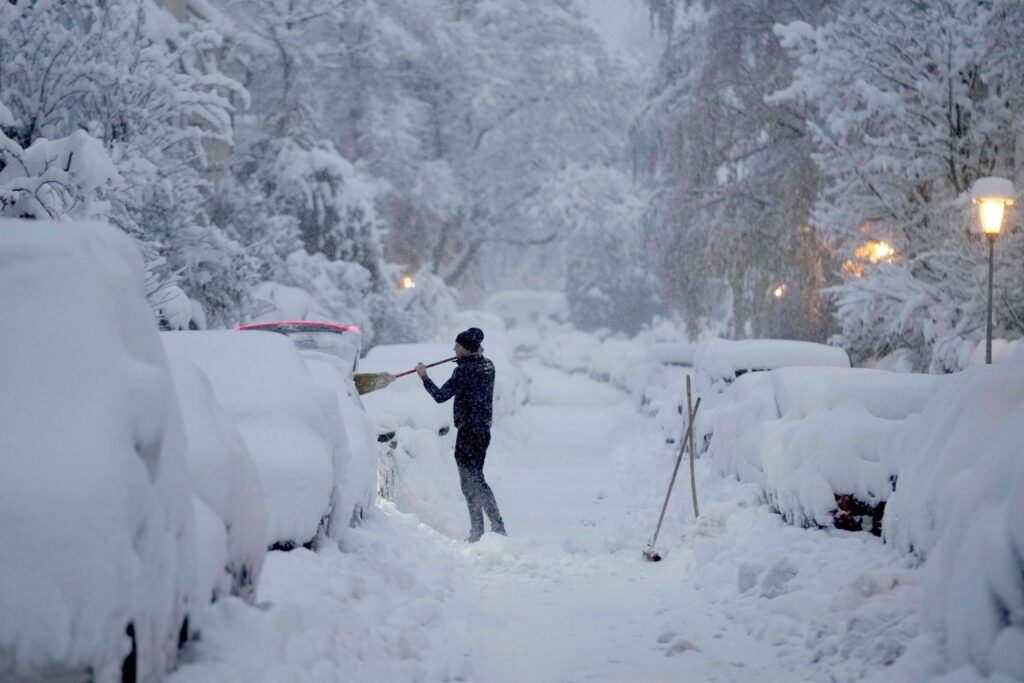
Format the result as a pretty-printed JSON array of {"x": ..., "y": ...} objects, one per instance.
[
  {"x": 289, "y": 422},
  {"x": 97, "y": 530}
]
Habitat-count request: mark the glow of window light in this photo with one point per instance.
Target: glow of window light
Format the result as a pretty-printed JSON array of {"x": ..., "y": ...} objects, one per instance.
[
  {"x": 882, "y": 251},
  {"x": 407, "y": 283}
]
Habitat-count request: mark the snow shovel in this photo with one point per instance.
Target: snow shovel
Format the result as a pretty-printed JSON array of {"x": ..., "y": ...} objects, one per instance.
[
  {"x": 372, "y": 381},
  {"x": 649, "y": 552}
]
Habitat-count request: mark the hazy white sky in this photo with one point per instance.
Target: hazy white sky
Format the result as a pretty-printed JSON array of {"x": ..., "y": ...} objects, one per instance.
[{"x": 625, "y": 27}]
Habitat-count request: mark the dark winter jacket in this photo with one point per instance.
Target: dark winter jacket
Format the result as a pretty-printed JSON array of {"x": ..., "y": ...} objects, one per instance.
[{"x": 472, "y": 385}]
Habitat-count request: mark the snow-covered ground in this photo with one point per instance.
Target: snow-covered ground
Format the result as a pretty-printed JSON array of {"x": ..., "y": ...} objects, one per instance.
[{"x": 579, "y": 476}]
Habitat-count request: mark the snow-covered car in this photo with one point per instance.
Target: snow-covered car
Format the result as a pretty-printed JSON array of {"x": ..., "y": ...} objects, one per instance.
[
  {"x": 527, "y": 308},
  {"x": 289, "y": 422},
  {"x": 531, "y": 317},
  {"x": 717, "y": 363},
  {"x": 231, "y": 522},
  {"x": 331, "y": 352},
  {"x": 812, "y": 439},
  {"x": 97, "y": 524}
]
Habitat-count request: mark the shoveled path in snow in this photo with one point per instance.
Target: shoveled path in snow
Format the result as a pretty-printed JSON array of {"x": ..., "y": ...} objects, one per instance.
[
  {"x": 567, "y": 597},
  {"x": 740, "y": 596}
]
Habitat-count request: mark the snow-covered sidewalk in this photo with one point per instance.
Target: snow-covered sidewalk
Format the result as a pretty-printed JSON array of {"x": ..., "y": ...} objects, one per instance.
[{"x": 579, "y": 477}]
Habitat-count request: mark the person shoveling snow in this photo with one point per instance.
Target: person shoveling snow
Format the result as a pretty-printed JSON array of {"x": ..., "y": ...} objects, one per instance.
[{"x": 472, "y": 385}]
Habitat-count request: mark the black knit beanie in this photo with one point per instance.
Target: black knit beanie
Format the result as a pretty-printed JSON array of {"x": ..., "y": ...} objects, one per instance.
[{"x": 470, "y": 339}]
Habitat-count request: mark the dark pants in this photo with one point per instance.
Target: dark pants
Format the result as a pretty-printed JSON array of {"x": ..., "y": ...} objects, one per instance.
[{"x": 470, "y": 451}]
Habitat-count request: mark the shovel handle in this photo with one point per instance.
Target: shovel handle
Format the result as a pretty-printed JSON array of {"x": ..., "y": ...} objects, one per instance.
[{"x": 440, "y": 362}]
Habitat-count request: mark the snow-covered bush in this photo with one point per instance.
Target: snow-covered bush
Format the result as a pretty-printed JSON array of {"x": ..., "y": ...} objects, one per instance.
[
  {"x": 224, "y": 478},
  {"x": 958, "y": 505},
  {"x": 97, "y": 532},
  {"x": 289, "y": 422},
  {"x": 53, "y": 178}
]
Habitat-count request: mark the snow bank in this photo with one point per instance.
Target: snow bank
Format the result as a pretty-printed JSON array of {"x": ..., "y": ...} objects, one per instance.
[
  {"x": 287, "y": 419},
  {"x": 958, "y": 503},
  {"x": 390, "y": 605},
  {"x": 225, "y": 479},
  {"x": 97, "y": 528}
]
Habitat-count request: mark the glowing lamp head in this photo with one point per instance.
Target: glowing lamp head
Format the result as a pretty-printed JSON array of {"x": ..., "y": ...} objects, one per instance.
[{"x": 992, "y": 195}]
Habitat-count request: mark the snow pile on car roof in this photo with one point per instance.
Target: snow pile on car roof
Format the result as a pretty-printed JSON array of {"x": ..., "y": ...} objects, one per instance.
[
  {"x": 97, "y": 527},
  {"x": 288, "y": 419},
  {"x": 725, "y": 359}
]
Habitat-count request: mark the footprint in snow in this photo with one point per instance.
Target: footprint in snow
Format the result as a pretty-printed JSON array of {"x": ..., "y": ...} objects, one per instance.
[{"x": 679, "y": 646}]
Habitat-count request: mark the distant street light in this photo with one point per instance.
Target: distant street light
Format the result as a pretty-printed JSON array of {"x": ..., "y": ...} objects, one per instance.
[
  {"x": 779, "y": 291},
  {"x": 992, "y": 195},
  {"x": 407, "y": 283}
]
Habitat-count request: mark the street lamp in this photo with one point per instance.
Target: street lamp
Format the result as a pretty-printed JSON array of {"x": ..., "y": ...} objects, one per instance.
[{"x": 992, "y": 195}]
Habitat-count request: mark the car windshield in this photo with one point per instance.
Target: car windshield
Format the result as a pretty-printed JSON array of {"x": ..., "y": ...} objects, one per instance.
[{"x": 335, "y": 340}]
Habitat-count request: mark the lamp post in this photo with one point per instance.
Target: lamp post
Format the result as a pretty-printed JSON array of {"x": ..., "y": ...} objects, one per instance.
[{"x": 992, "y": 195}]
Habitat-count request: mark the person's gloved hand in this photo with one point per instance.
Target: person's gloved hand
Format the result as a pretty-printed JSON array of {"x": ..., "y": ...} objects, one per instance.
[{"x": 421, "y": 370}]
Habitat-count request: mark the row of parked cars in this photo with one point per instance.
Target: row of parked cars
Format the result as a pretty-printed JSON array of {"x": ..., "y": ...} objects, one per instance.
[{"x": 146, "y": 473}]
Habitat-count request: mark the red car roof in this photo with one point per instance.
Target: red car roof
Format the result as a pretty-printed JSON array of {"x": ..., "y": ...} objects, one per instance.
[{"x": 334, "y": 327}]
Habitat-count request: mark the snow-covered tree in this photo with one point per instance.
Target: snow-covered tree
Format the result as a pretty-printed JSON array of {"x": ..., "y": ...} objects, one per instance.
[
  {"x": 912, "y": 102},
  {"x": 146, "y": 86},
  {"x": 298, "y": 204},
  {"x": 731, "y": 175}
]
